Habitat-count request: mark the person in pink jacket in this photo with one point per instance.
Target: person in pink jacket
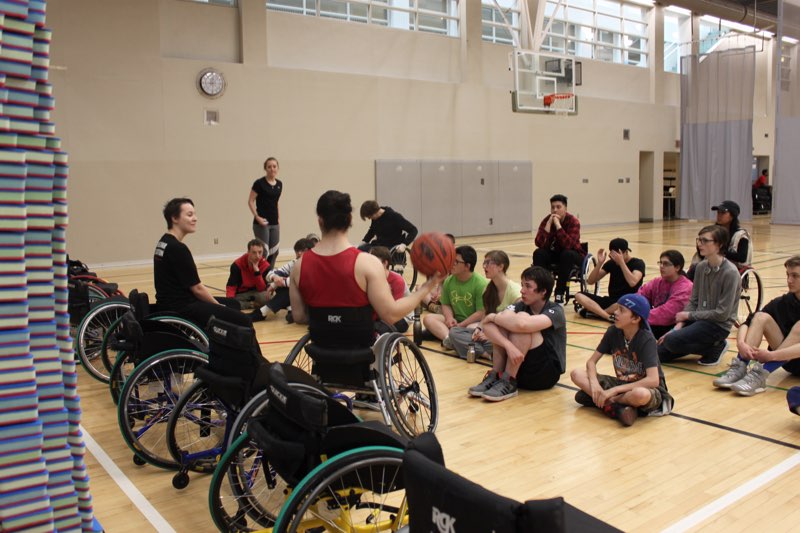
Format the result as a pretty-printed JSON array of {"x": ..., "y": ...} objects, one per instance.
[{"x": 667, "y": 294}]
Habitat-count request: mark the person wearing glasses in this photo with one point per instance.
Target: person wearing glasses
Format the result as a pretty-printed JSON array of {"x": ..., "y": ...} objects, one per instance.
[
  {"x": 461, "y": 299},
  {"x": 626, "y": 272},
  {"x": 501, "y": 293},
  {"x": 667, "y": 294},
  {"x": 740, "y": 245},
  {"x": 704, "y": 324}
]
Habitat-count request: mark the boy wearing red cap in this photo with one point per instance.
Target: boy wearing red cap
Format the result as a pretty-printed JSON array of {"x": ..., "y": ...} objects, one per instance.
[{"x": 639, "y": 385}]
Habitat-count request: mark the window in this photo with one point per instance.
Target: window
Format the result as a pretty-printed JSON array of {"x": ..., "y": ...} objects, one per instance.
[
  {"x": 606, "y": 30},
  {"x": 677, "y": 32},
  {"x": 495, "y": 22},
  {"x": 432, "y": 16}
]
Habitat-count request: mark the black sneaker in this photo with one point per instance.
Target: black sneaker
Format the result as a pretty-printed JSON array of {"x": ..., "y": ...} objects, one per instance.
[
  {"x": 289, "y": 318},
  {"x": 560, "y": 300},
  {"x": 626, "y": 414},
  {"x": 584, "y": 399},
  {"x": 502, "y": 389},
  {"x": 256, "y": 316},
  {"x": 712, "y": 360}
]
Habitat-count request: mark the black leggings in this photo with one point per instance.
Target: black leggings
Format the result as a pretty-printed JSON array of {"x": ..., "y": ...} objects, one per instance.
[{"x": 228, "y": 310}]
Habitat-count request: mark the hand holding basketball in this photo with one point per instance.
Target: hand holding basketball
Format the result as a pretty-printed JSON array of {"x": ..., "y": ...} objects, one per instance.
[{"x": 433, "y": 252}]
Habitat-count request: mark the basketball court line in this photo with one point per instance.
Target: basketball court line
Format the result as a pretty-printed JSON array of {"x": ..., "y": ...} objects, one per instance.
[
  {"x": 747, "y": 488},
  {"x": 137, "y": 498}
]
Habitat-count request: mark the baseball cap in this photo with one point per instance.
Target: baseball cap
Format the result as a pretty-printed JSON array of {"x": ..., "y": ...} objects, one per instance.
[
  {"x": 619, "y": 244},
  {"x": 638, "y": 304},
  {"x": 728, "y": 205}
]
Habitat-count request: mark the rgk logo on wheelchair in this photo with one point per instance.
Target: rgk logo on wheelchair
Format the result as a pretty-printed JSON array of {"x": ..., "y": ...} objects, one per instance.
[{"x": 444, "y": 522}]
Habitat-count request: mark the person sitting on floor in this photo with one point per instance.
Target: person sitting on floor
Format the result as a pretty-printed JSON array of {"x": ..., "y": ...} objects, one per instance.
[
  {"x": 399, "y": 290},
  {"x": 705, "y": 323},
  {"x": 779, "y": 323},
  {"x": 626, "y": 272},
  {"x": 529, "y": 341},
  {"x": 246, "y": 281},
  {"x": 668, "y": 294},
  {"x": 639, "y": 385},
  {"x": 278, "y": 288}
]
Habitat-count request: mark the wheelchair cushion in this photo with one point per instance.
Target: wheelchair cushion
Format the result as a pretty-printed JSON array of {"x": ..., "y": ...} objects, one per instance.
[
  {"x": 340, "y": 356},
  {"x": 108, "y": 288}
]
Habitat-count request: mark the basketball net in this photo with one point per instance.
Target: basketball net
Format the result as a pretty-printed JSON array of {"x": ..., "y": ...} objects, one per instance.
[{"x": 559, "y": 103}]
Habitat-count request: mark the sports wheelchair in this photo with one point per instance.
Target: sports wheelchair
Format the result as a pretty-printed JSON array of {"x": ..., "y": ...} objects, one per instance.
[
  {"x": 338, "y": 472},
  {"x": 95, "y": 334},
  {"x": 392, "y": 377},
  {"x": 202, "y": 423},
  {"x": 579, "y": 275},
  {"x": 752, "y": 295},
  {"x": 399, "y": 263},
  {"x": 439, "y": 499}
]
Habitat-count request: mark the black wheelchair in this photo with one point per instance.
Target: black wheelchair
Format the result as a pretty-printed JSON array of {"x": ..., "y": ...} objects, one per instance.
[
  {"x": 579, "y": 275},
  {"x": 392, "y": 377},
  {"x": 752, "y": 296},
  {"x": 399, "y": 263},
  {"x": 94, "y": 338},
  {"x": 439, "y": 499},
  {"x": 202, "y": 423},
  {"x": 308, "y": 463}
]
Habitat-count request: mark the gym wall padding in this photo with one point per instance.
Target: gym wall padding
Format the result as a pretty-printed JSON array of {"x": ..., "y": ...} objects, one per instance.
[{"x": 43, "y": 481}]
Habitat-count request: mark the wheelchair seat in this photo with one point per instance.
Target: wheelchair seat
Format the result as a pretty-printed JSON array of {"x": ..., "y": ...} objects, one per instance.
[{"x": 437, "y": 496}]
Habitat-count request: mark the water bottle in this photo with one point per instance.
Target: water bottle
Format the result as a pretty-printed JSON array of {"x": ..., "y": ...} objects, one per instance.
[
  {"x": 417, "y": 327},
  {"x": 471, "y": 357}
]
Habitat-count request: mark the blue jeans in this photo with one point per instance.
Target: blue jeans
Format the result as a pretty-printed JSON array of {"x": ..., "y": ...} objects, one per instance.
[{"x": 701, "y": 337}]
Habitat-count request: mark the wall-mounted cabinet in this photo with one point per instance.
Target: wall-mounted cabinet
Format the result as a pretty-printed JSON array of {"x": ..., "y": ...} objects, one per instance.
[{"x": 458, "y": 197}]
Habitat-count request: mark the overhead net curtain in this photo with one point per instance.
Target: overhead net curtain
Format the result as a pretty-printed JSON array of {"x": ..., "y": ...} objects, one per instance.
[
  {"x": 716, "y": 131},
  {"x": 785, "y": 173}
]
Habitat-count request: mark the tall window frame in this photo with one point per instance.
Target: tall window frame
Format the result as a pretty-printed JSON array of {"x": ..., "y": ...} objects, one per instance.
[
  {"x": 606, "y": 30},
  {"x": 429, "y": 16},
  {"x": 493, "y": 21}
]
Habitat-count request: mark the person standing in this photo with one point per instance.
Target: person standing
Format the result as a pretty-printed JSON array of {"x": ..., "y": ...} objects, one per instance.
[{"x": 263, "y": 202}]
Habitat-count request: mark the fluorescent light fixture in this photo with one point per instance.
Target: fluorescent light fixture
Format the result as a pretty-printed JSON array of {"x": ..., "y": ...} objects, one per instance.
[{"x": 790, "y": 40}]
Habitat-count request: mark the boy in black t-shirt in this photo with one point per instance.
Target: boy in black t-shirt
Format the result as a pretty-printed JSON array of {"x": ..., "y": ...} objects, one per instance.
[
  {"x": 627, "y": 273},
  {"x": 639, "y": 385},
  {"x": 178, "y": 286}
]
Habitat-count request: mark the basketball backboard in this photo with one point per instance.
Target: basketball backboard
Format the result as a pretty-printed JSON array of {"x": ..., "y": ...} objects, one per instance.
[{"x": 544, "y": 83}]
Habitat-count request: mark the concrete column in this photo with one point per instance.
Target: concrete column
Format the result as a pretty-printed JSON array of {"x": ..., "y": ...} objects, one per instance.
[{"x": 253, "y": 32}]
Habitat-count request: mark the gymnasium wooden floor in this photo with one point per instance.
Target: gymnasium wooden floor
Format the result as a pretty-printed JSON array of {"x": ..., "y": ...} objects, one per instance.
[{"x": 720, "y": 462}]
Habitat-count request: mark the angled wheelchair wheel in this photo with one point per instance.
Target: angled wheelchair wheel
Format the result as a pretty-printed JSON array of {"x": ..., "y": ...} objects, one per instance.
[
  {"x": 254, "y": 407},
  {"x": 245, "y": 493},
  {"x": 752, "y": 295},
  {"x": 91, "y": 332},
  {"x": 361, "y": 489},
  {"x": 186, "y": 327},
  {"x": 298, "y": 356},
  {"x": 196, "y": 429},
  {"x": 123, "y": 368},
  {"x": 407, "y": 387},
  {"x": 148, "y": 399}
]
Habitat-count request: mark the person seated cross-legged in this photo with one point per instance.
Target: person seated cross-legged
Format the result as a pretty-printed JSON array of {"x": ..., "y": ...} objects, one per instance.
[{"x": 779, "y": 324}]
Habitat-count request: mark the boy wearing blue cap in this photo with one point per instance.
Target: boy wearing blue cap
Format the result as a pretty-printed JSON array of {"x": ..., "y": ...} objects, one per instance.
[{"x": 639, "y": 385}]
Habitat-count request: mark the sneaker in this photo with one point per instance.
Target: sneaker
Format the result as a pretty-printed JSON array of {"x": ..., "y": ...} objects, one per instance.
[
  {"x": 504, "y": 388},
  {"x": 584, "y": 399},
  {"x": 626, "y": 414},
  {"x": 753, "y": 382},
  {"x": 289, "y": 318},
  {"x": 583, "y": 313},
  {"x": 560, "y": 300},
  {"x": 711, "y": 361},
  {"x": 447, "y": 344},
  {"x": 256, "y": 316},
  {"x": 488, "y": 380},
  {"x": 736, "y": 372},
  {"x": 793, "y": 399}
]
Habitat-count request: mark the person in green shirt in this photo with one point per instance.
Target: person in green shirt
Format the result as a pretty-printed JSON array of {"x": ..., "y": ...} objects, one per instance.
[{"x": 461, "y": 299}]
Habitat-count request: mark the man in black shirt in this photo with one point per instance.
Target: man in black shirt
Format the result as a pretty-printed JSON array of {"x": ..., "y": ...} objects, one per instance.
[
  {"x": 388, "y": 228},
  {"x": 178, "y": 286}
]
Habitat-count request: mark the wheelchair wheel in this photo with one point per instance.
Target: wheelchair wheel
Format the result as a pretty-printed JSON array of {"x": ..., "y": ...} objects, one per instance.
[
  {"x": 298, "y": 356},
  {"x": 91, "y": 332},
  {"x": 124, "y": 365},
  {"x": 362, "y": 488},
  {"x": 407, "y": 387},
  {"x": 149, "y": 397},
  {"x": 186, "y": 327},
  {"x": 245, "y": 493},
  {"x": 752, "y": 295},
  {"x": 253, "y": 408},
  {"x": 399, "y": 264},
  {"x": 196, "y": 429}
]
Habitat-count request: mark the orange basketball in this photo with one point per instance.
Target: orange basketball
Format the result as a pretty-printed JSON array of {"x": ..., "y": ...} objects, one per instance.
[{"x": 433, "y": 252}]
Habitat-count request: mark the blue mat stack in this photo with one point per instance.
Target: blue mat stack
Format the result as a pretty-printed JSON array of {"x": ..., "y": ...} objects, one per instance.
[{"x": 43, "y": 481}]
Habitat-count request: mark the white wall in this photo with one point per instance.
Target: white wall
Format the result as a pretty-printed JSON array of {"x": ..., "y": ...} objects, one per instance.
[{"x": 326, "y": 98}]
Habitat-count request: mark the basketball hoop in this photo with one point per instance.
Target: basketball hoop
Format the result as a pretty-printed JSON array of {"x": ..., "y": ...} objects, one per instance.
[{"x": 559, "y": 102}]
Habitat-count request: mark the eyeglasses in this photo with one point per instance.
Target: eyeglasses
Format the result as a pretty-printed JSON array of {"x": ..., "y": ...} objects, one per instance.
[
  {"x": 701, "y": 240},
  {"x": 488, "y": 262},
  {"x": 457, "y": 262},
  {"x": 664, "y": 263}
]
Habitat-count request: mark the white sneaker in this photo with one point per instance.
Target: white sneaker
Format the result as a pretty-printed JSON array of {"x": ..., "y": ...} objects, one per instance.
[
  {"x": 736, "y": 372},
  {"x": 754, "y": 382}
]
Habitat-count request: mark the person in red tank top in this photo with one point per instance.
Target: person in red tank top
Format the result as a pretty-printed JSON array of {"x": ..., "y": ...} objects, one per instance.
[{"x": 334, "y": 288}]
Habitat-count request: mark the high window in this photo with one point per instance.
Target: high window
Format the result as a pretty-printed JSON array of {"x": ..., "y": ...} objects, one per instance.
[
  {"x": 433, "y": 16},
  {"x": 677, "y": 32},
  {"x": 605, "y": 30},
  {"x": 495, "y": 22}
]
